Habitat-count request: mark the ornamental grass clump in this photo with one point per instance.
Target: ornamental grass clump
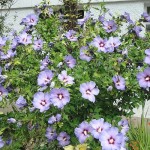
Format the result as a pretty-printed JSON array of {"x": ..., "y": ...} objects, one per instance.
[{"x": 61, "y": 85}]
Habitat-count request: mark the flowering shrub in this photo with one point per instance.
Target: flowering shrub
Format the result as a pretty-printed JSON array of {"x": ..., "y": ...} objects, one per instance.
[{"x": 59, "y": 85}]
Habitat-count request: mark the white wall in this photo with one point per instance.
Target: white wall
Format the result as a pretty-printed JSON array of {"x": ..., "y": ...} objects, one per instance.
[{"x": 134, "y": 7}]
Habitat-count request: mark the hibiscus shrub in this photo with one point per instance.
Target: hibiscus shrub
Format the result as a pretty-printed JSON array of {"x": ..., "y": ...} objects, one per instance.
[{"x": 57, "y": 85}]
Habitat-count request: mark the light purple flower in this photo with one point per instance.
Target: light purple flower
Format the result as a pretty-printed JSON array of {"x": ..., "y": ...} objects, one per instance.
[
  {"x": 109, "y": 88},
  {"x": 147, "y": 52},
  {"x": 44, "y": 63},
  {"x": 137, "y": 30},
  {"x": 119, "y": 82},
  {"x": 147, "y": 58},
  {"x": 112, "y": 43},
  {"x": 30, "y": 20},
  {"x": 59, "y": 97},
  {"x": 45, "y": 77},
  {"x": 2, "y": 41},
  {"x": 127, "y": 17},
  {"x": 111, "y": 139},
  {"x": 85, "y": 19},
  {"x": 54, "y": 119},
  {"x": 10, "y": 54},
  {"x": 11, "y": 120},
  {"x": 24, "y": 38},
  {"x": 41, "y": 101},
  {"x": 14, "y": 43},
  {"x": 38, "y": 44},
  {"x": 124, "y": 125},
  {"x": 3, "y": 92},
  {"x": 63, "y": 139},
  {"x": 146, "y": 16},
  {"x": 98, "y": 126},
  {"x": 110, "y": 26},
  {"x": 89, "y": 90},
  {"x": 51, "y": 134},
  {"x": 66, "y": 79},
  {"x": 70, "y": 61},
  {"x": 21, "y": 102},
  {"x": 82, "y": 132},
  {"x": 100, "y": 44},
  {"x": 2, "y": 143},
  {"x": 101, "y": 18},
  {"x": 71, "y": 35},
  {"x": 85, "y": 54},
  {"x": 50, "y": 11},
  {"x": 144, "y": 78}
]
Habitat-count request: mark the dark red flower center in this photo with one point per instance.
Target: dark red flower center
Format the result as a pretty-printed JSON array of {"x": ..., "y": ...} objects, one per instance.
[
  {"x": 109, "y": 27},
  {"x": 88, "y": 91},
  {"x": 99, "y": 130},
  {"x": 111, "y": 140},
  {"x": 43, "y": 102},
  {"x": 101, "y": 44},
  {"x": 32, "y": 20},
  {"x": 147, "y": 78},
  {"x": 64, "y": 138},
  {"x": 47, "y": 79},
  {"x": 24, "y": 39},
  {"x": 60, "y": 96},
  {"x": 85, "y": 132}
]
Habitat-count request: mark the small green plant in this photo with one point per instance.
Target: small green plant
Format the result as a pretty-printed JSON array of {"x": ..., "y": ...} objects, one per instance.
[{"x": 139, "y": 136}]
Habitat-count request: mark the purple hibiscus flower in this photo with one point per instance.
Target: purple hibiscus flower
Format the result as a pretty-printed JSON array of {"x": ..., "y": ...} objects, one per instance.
[
  {"x": 14, "y": 43},
  {"x": 38, "y": 44},
  {"x": 85, "y": 19},
  {"x": 82, "y": 132},
  {"x": 41, "y": 101},
  {"x": 101, "y": 18},
  {"x": 85, "y": 54},
  {"x": 100, "y": 44},
  {"x": 110, "y": 26},
  {"x": 63, "y": 139},
  {"x": 50, "y": 134},
  {"x": 44, "y": 63},
  {"x": 21, "y": 102},
  {"x": 66, "y": 79},
  {"x": 147, "y": 58},
  {"x": 2, "y": 41},
  {"x": 45, "y": 77},
  {"x": 137, "y": 30},
  {"x": 119, "y": 82},
  {"x": 127, "y": 17},
  {"x": 111, "y": 139},
  {"x": 54, "y": 119},
  {"x": 10, "y": 54},
  {"x": 70, "y": 61},
  {"x": 11, "y": 120},
  {"x": 146, "y": 16},
  {"x": 89, "y": 90},
  {"x": 124, "y": 125},
  {"x": 2, "y": 143},
  {"x": 30, "y": 20},
  {"x": 144, "y": 78},
  {"x": 3, "y": 92},
  {"x": 70, "y": 35},
  {"x": 24, "y": 38},
  {"x": 98, "y": 126},
  {"x": 59, "y": 97},
  {"x": 112, "y": 43}
]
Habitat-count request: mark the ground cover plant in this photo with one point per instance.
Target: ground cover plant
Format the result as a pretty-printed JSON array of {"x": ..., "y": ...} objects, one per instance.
[{"x": 72, "y": 87}]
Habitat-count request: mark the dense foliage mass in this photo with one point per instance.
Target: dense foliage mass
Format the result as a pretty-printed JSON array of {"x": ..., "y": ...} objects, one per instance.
[{"x": 59, "y": 85}]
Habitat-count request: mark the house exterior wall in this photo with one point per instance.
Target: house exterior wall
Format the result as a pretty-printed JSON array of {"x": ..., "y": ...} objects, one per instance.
[{"x": 134, "y": 7}]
